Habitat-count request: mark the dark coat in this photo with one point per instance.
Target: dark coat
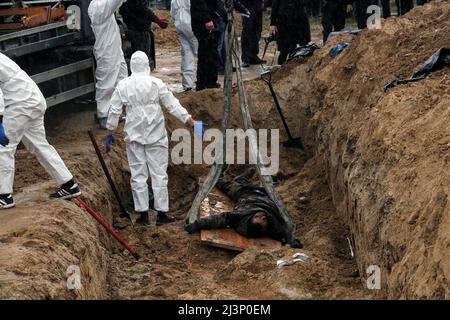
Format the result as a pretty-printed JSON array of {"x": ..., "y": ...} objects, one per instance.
[
  {"x": 137, "y": 14},
  {"x": 203, "y": 11},
  {"x": 254, "y": 5},
  {"x": 292, "y": 22}
]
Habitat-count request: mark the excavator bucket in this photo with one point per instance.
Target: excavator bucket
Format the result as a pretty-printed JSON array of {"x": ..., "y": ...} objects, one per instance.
[{"x": 216, "y": 203}]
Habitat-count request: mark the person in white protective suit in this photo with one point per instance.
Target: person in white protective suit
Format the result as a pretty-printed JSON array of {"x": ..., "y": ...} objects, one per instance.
[
  {"x": 145, "y": 134},
  {"x": 22, "y": 108},
  {"x": 111, "y": 64},
  {"x": 180, "y": 10}
]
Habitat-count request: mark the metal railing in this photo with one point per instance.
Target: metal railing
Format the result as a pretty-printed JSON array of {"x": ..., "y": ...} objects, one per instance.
[{"x": 60, "y": 72}]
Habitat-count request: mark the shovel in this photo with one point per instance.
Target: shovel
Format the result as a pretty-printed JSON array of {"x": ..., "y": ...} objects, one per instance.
[{"x": 292, "y": 142}]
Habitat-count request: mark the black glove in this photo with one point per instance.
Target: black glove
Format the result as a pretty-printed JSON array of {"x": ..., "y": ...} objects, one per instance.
[
  {"x": 192, "y": 227},
  {"x": 295, "y": 243}
]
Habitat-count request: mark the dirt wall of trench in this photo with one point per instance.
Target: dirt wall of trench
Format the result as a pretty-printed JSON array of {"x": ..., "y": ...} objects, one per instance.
[{"x": 386, "y": 154}]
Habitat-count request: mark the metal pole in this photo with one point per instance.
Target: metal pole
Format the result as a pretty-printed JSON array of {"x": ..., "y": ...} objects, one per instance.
[
  {"x": 108, "y": 176},
  {"x": 109, "y": 229}
]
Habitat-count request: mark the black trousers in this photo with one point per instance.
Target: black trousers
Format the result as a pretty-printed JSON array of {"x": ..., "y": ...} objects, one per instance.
[
  {"x": 361, "y": 14},
  {"x": 296, "y": 31},
  {"x": 313, "y": 8},
  {"x": 142, "y": 41},
  {"x": 333, "y": 17},
  {"x": 386, "y": 5},
  {"x": 404, "y": 6},
  {"x": 251, "y": 33},
  {"x": 208, "y": 59}
]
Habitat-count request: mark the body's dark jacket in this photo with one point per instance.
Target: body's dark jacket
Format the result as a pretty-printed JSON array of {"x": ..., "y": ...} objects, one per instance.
[
  {"x": 137, "y": 14},
  {"x": 248, "y": 200}
]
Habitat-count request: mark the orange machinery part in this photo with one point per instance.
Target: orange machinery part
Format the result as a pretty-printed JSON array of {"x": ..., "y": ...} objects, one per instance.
[{"x": 32, "y": 16}]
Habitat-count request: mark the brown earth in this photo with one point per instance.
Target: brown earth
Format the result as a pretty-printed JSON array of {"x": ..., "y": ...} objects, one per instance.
[{"x": 376, "y": 173}]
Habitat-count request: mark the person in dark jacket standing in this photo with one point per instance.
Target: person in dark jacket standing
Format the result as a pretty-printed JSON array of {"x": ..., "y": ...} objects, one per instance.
[
  {"x": 254, "y": 215},
  {"x": 333, "y": 16},
  {"x": 290, "y": 22},
  {"x": 361, "y": 15},
  {"x": 251, "y": 32},
  {"x": 205, "y": 21},
  {"x": 404, "y": 6},
  {"x": 138, "y": 17}
]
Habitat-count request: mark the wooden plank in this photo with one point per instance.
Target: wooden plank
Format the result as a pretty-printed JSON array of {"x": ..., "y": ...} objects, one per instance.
[{"x": 216, "y": 203}]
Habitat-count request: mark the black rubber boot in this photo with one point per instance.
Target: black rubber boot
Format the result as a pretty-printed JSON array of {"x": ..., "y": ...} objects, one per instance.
[
  {"x": 143, "y": 219},
  {"x": 163, "y": 218}
]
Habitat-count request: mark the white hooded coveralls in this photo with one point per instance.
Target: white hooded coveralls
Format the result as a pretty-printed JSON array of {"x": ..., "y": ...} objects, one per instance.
[
  {"x": 180, "y": 10},
  {"x": 23, "y": 106},
  {"x": 111, "y": 64},
  {"x": 145, "y": 130}
]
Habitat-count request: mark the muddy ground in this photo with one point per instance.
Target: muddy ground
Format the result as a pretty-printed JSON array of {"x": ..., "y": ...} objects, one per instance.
[{"x": 375, "y": 174}]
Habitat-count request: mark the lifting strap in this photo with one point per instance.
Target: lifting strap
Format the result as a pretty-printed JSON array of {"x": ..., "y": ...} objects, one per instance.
[{"x": 232, "y": 54}]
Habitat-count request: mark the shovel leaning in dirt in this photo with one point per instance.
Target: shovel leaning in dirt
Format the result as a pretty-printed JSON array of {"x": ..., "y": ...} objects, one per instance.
[
  {"x": 292, "y": 142},
  {"x": 125, "y": 213}
]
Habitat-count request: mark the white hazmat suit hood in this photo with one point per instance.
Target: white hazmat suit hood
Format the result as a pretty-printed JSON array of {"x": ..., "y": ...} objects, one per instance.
[
  {"x": 145, "y": 131},
  {"x": 140, "y": 63}
]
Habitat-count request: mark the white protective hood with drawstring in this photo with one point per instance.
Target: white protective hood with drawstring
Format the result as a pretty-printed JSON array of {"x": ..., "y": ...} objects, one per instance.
[
  {"x": 111, "y": 64},
  {"x": 180, "y": 11},
  {"x": 145, "y": 131},
  {"x": 23, "y": 106}
]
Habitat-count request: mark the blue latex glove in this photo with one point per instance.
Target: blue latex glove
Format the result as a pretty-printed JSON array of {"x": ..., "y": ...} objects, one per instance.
[
  {"x": 109, "y": 139},
  {"x": 199, "y": 129},
  {"x": 4, "y": 141}
]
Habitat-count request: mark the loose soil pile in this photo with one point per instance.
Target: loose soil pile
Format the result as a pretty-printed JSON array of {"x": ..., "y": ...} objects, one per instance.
[{"x": 376, "y": 173}]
